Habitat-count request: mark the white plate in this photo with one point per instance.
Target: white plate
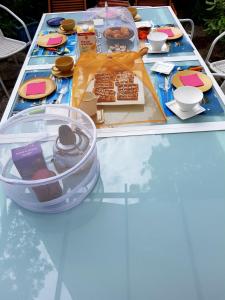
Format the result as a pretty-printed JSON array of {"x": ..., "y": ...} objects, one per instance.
[
  {"x": 174, "y": 107},
  {"x": 165, "y": 49},
  {"x": 139, "y": 101}
]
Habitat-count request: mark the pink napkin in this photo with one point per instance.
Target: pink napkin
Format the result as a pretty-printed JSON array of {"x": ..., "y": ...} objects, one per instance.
[
  {"x": 169, "y": 32},
  {"x": 36, "y": 88},
  {"x": 191, "y": 80},
  {"x": 54, "y": 41}
]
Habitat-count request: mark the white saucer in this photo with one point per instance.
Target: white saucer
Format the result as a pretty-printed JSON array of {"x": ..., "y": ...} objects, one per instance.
[
  {"x": 165, "y": 48},
  {"x": 183, "y": 115}
]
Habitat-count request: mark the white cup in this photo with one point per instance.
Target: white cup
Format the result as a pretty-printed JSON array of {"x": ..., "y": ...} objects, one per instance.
[
  {"x": 187, "y": 97},
  {"x": 89, "y": 103},
  {"x": 157, "y": 40}
]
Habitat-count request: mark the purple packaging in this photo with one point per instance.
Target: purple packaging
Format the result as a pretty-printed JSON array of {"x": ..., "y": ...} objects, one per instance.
[
  {"x": 31, "y": 165},
  {"x": 28, "y": 159}
]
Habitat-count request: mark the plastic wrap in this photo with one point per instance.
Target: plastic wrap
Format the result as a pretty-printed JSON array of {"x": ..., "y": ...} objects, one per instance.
[{"x": 115, "y": 28}]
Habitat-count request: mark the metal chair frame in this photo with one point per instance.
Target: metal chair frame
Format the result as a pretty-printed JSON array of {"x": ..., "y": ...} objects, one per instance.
[
  {"x": 189, "y": 21},
  {"x": 216, "y": 66},
  {"x": 16, "y": 45},
  {"x": 222, "y": 76}
]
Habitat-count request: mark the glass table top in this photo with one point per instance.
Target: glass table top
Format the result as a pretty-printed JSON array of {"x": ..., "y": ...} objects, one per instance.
[{"x": 153, "y": 228}]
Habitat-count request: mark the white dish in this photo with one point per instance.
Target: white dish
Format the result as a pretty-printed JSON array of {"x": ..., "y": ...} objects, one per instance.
[
  {"x": 183, "y": 115},
  {"x": 187, "y": 97},
  {"x": 162, "y": 67},
  {"x": 139, "y": 101},
  {"x": 165, "y": 48}
]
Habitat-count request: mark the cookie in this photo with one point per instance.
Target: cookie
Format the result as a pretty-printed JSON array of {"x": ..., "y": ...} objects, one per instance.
[
  {"x": 124, "y": 77},
  {"x": 107, "y": 98},
  {"x": 128, "y": 97},
  {"x": 128, "y": 88},
  {"x": 99, "y": 91},
  {"x": 127, "y": 92},
  {"x": 104, "y": 84},
  {"x": 104, "y": 76}
]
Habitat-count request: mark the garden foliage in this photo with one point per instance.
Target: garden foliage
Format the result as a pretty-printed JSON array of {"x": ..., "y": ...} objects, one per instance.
[{"x": 215, "y": 23}]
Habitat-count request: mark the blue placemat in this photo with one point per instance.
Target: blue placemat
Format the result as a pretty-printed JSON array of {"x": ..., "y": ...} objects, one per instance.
[
  {"x": 22, "y": 104},
  {"x": 175, "y": 46},
  {"x": 211, "y": 98},
  {"x": 180, "y": 45},
  {"x": 67, "y": 49}
]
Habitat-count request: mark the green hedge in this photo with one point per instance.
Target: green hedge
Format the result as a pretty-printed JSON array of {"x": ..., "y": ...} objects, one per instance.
[{"x": 215, "y": 24}]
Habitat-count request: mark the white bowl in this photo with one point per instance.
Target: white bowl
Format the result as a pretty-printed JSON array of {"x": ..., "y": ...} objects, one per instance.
[
  {"x": 187, "y": 97},
  {"x": 157, "y": 40}
]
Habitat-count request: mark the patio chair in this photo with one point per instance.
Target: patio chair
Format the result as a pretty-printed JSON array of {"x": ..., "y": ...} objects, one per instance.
[
  {"x": 8, "y": 46},
  {"x": 216, "y": 66},
  {"x": 190, "y": 24},
  {"x": 220, "y": 76},
  {"x": 123, "y": 3},
  {"x": 66, "y": 5}
]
